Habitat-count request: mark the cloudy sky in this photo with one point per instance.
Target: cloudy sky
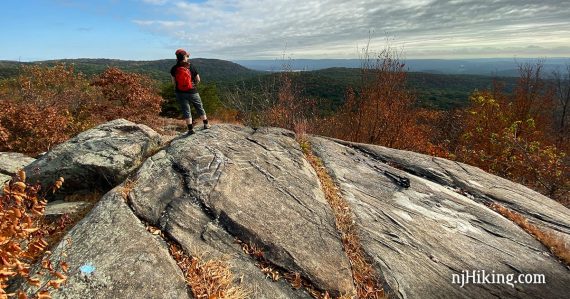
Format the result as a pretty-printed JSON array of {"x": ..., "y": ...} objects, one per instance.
[{"x": 258, "y": 29}]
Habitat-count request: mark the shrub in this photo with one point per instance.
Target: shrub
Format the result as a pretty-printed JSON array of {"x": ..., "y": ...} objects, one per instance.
[
  {"x": 29, "y": 126},
  {"x": 380, "y": 112},
  {"x": 127, "y": 95},
  {"x": 511, "y": 135},
  {"x": 289, "y": 109},
  {"x": 22, "y": 240},
  {"x": 169, "y": 107},
  {"x": 251, "y": 102},
  {"x": 43, "y": 107}
]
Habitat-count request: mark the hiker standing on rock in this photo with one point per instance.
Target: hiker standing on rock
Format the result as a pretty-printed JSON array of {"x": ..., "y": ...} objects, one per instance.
[{"x": 185, "y": 78}]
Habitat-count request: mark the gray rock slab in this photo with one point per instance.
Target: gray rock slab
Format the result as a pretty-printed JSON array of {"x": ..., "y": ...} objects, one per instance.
[
  {"x": 58, "y": 208},
  {"x": 482, "y": 186},
  {"x": 10, "y": 163},
  {"x": 419, "y": 237},
  {"x": 204, "y": 238},
  {"x": 4, "y": 179},
  {"x": 112, "y": 255},
  {"x": 99, "y": 158},
  {"x": 230, "y": 181}
]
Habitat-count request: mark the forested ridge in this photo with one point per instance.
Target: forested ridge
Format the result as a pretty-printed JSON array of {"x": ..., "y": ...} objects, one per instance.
[{"x": 439, "y": 91}]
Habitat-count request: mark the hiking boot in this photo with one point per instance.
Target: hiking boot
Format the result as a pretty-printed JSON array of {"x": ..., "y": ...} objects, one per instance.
[
  {"x": 190, "y": 129},
  {"x": 207, "y": 126}
]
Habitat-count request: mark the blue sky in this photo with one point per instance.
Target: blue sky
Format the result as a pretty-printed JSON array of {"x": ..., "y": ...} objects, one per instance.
[
  {"x": 43, "y": 29},
  {"x": 257, "y": 29}
]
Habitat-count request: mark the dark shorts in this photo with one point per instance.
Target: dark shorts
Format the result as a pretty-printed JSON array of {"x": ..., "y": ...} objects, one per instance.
[{"x": 184, "y": 100}]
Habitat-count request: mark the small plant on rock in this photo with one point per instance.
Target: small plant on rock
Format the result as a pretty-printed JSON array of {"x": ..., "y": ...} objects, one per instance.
[{"x": 22, "y": 241}]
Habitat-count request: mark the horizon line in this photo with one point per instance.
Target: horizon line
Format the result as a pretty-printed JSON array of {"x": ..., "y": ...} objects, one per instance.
[{"x": 545, "y": 58}]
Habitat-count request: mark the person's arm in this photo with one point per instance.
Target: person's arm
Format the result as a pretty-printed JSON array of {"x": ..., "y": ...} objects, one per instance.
[
  {"x": 195, "y": 75},
  {"x": 172, "y": 76}
]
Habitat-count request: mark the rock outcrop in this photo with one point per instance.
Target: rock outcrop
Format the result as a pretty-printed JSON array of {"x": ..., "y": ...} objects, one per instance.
[
  {"x": 112, "y": 255},
  {"x": 227, "y": 186},
  {"x": 97, "y": 159},
  {"x": 58, "y": 208},
  {"x": 420, "y": 236},
  {"x": 10, "y": 163},
  {"x": 478, "y": 185},
  {"x": 232, "y": 182}
]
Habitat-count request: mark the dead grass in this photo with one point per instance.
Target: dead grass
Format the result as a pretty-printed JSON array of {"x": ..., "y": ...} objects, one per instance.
[
  {"x": 127, "y": 187},
  {"x": 263, "y": 264},
  {"x": 91, "y": 197},
  {"x": 208, "y": 278},
  {"x": 61, "y": 225},
  {"x": 275, "y": 273},
  {"x": 554, "y": 243},
  {"x": 173, "y": 126},
  {"x": 368, "y": 284},
  {"x": 170, "y": 126}
]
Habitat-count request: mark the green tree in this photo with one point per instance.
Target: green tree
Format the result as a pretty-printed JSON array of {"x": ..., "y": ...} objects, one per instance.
[
  {"x": 169, "y": 106},
  {"x": 210, "y": 99},
  {"x": 208, "y": 94}
]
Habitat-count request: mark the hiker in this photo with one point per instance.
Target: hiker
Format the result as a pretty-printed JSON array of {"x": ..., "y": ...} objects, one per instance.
[{"x": 185, "y": 78}]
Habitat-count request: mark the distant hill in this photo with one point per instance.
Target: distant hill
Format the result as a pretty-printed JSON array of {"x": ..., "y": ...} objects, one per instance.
[
  {"x": 8, "y": 69},
  {"x": 439, "y": 91},
  {"x": 213, "y": 70},
  {"x": 329, "y": 85},
  {"x": 489, "y": 67}
]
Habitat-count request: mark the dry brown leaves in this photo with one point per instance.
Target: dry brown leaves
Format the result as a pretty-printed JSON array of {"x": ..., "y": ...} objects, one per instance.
[
  {"x": 275, "y": 273},
  {"x": 210, "y": 279},
  {"x": 554, "y": 243},
  {"x": 126, "y": 188},
  {"x": 22, "y": 240},
  {"x": 367, "y": 282}
]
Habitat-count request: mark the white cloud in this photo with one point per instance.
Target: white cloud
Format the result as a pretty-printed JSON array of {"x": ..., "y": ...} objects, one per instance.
[
  {"x": 333, "y": 28},
  {"x": 161, "y": 24}
]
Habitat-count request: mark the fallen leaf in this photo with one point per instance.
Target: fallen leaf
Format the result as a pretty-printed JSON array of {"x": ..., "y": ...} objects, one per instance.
[
  {"x": 44, "y": 295},
  {"x": 64, "y": 266}
]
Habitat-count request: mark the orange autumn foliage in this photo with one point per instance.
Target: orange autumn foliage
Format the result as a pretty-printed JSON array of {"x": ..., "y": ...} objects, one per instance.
[
  {"x": 22, "y": 240},
  {"x": 519, "y": 136},
  {"x": 382, "y": 111},
  {"x": 31, "y": 129},
  {"x": 290, "y": 110},
  {"x": 45, "y": 106},
  {"x": 127, "y": 95},
  {"x": 508, "y": 134},
  {"x": 511, "y": 135}
]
